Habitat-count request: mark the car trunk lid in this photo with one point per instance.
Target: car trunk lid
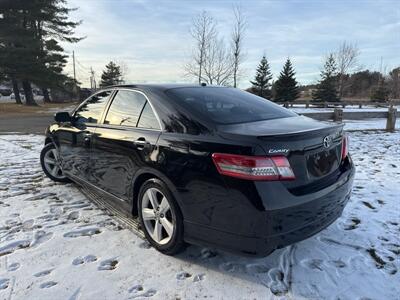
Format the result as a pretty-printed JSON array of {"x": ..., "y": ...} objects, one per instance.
[{"x": 313, "y": 148}]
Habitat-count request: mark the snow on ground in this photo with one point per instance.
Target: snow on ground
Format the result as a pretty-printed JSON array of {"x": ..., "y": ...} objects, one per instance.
[
  {"x": 11, "y": 99},
  {"x": 55, "y": 244},
  {"x": 349, "y": 108},
  {"x": 367, "y": 124}
]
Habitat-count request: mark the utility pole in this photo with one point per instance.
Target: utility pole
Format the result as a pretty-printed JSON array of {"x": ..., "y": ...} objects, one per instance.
[
  {"x": 92, "y": 80},
  {"x": 73, "y": 61}
]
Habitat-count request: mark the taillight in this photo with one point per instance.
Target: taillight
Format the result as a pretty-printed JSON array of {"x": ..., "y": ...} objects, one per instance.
[
  {"x": 345, "y": 146},
  {"x": 253, "y": 167}
]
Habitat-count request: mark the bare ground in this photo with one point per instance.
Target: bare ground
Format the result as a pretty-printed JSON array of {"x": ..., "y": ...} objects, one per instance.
[{"x": 29, "y": 119}]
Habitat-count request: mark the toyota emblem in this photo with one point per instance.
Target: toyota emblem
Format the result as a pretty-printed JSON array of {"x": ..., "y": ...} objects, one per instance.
[{"x": 327, "y": 141}]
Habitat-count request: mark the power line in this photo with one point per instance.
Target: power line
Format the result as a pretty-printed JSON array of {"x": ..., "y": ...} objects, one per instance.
[
  {"x": 80, "y": 69},
  {"x": 82, "y": 66}
]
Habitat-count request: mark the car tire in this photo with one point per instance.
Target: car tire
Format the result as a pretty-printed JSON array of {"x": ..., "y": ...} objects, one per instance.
[
  {"x": 156, "y": 217},
  {"x": 50, "y": 164}
]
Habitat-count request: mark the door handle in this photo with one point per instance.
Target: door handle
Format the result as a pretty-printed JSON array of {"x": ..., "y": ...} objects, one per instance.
[
  {"x": 86, "y": 139},
  {"x": 141, "y": 143}
]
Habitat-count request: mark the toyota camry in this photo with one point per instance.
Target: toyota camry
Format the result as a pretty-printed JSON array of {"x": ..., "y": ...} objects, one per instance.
[{"x": 206, "y": 165}]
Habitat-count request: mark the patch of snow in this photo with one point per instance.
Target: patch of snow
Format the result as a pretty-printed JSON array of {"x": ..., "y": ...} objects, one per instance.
[
  {"x": 349, "y": 108},
  {"x": 52, "y": 249},
  {"x": 367, "y": 124},
  {"x": 11, "y": 99}
]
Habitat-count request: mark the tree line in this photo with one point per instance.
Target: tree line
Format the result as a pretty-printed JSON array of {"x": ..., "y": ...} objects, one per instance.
[
  {"x": 336, "y": 82},
  {"x": 341, "y": 77},
  {"x": 30, "y": 50}
]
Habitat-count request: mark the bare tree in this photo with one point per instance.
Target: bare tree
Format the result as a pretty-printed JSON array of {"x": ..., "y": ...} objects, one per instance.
[
  {"x": 203, "y": 31},
  {"x": 237, "y": 41},
  {"x": 123, "y": 66},
  {"x": 218, "y": 67},
  {"x": 347, "y": 61}
]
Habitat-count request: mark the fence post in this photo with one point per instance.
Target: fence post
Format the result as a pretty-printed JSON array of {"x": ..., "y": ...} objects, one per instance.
[
  {"x": 307, "y": 104},
  {"x": 338, "y": 115},
  {"x": 391, "y": 119}
]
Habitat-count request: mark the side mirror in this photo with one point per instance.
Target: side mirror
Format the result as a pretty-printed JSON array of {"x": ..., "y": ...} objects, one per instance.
[{"x": 62, "y": 117}]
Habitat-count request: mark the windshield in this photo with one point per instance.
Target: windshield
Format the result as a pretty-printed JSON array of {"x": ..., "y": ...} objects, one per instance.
[{"x": 226, "y": 105}]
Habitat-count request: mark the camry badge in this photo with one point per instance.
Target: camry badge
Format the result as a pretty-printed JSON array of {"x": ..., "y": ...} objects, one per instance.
[{"x": 276, "y": 151}]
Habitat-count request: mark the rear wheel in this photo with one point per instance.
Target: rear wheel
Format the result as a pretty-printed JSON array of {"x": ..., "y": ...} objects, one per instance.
[
  {"x": 160, "y": 217},
  {"x": 50, "y": 162}
]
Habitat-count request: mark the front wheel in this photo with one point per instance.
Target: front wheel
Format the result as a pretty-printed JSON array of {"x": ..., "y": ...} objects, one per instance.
[
  {"x": 160, "y": 217},
  {"x": 51, "y": 164}
]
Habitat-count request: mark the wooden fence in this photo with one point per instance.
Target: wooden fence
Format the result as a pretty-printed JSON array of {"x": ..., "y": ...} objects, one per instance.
[
  {"x": 338, "y": 115},
  {"x": 343, "y": 104}
]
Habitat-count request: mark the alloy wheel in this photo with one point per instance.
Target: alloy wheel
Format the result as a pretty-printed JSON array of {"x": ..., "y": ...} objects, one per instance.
[
  {"x": 158, "y": 217},
  {"x": 52, "y": 164}
]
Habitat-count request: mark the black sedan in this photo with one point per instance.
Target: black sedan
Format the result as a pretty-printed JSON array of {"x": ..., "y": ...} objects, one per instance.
[{"x": 205, "y": 165}]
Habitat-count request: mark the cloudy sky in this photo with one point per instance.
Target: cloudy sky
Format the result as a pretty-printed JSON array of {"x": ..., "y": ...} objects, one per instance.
[{"x": 152, "y": 37}]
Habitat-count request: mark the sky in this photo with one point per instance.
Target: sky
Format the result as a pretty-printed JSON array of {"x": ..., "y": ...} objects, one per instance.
[{"x": 151, "y": 38}]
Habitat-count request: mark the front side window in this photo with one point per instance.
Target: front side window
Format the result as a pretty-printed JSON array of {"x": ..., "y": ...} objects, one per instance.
[
  {"x": 148, "y": 118},
  {"x": 125, "y": 108},
  {"x": 92, "y": 109}
]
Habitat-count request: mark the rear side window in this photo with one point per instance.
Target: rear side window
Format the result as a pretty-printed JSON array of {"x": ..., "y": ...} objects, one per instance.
[
  {"x": 92, "y": 109},
  {"x": 125, "y": 108},
  {"x": 226, "y": 105},
  {"x": 148, "y": 118}
]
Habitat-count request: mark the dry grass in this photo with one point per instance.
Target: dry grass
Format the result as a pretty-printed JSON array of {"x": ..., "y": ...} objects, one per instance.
[{"x": 13, "y": 108}]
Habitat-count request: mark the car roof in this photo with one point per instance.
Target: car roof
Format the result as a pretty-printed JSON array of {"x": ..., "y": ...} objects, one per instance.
[{"x": 160, "y": 87}]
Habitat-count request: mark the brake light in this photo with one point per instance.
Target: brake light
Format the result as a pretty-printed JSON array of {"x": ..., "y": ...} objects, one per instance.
[
  {"x": 345, "y": 146},
  {"x": 253, "y": 167}
]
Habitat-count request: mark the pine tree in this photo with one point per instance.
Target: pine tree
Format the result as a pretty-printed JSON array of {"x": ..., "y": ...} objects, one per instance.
[
  {"x": 52, "y": 63},
  {"x": 29, "y": 33},
  {"x": 286, "y": 88},
  {"x": 262, "y": 79},
  {"x": 326, "y": 88},
  {"x": 16, "y": 54},
  {"x": 112, "y": 75},
  {"x": 51, "y": 25}
]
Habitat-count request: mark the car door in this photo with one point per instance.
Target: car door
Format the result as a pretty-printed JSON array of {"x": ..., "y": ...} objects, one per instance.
[
  {"x": 74, "y": 138},
  {"x": 124, "y": 143}
]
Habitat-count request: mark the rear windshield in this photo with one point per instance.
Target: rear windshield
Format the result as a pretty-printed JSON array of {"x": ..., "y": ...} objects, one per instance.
[{"x": 226, "y": 105}]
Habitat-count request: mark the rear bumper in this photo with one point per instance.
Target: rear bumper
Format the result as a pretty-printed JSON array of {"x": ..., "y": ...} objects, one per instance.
[{"x": 278, "y": 225}]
